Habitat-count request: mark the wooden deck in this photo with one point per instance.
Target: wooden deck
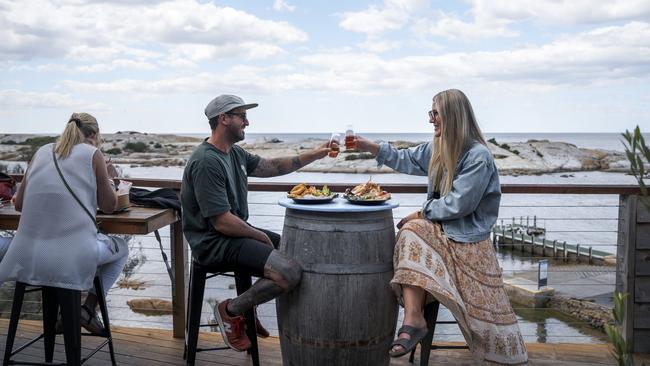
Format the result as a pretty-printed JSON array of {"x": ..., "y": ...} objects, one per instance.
[{"x": 137, "y": 346}]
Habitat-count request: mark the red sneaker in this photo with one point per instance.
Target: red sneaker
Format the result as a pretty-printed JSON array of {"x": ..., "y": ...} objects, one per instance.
[
  {"x": 232, "y": 328},
  {"x": 259, "y": 329}
]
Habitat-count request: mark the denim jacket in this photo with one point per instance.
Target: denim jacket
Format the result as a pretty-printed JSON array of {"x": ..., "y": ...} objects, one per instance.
[{"x": 468, "y": 212}]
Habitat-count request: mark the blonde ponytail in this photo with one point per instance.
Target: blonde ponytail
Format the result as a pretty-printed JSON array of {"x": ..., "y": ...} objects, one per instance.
[{"x": 80, "y": 128}]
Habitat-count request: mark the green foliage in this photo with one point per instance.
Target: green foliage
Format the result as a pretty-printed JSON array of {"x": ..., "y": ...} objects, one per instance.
[
  {"x": 636, "y": 152},
  {"x": 136, "y": 146},
  {"x": 114, "y": 151},
  {"x": 36, "y": 142},
  {"x": 157, "y": 145},
  {"x": 493, "y": 141},
  {"x": 622, "y": 350},
  {"x": 362, "y": 156}
]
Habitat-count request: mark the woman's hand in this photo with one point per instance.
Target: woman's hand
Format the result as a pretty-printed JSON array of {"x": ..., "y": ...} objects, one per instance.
[
  {"x": 111, "y": 169},
  {"x": 409, "y": 217},
  {"x": 366, "y": 145}
]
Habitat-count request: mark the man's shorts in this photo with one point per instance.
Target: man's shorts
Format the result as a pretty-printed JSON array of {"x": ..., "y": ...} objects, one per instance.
[{"x": 249, "y": 254}]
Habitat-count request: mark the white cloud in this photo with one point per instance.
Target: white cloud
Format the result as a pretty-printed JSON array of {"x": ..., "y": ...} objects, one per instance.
[
  {"x": 393, "y": 15},
  {"x": 601, "y": 56},
  {"x": 13, "y": 98},
  {"x": 562, "y": 11},
  {"x": 282, "y": 5},
  {"x": 451, "y": 27},
  {"x": 92, "y": 31}
]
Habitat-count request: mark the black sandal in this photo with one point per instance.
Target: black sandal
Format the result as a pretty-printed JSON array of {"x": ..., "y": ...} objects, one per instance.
[
  {"x": 407, "y": 344},
  {"x": 90, "y": 321}
]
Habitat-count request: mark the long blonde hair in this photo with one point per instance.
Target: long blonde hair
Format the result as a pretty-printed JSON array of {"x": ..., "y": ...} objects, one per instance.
[
  {"x": 80, "y": 127},
  {"x": 459, "y": 129}
]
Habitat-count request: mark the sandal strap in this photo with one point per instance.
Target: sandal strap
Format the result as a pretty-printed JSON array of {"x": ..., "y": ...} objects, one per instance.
[
  {"x": 405, "y": 343},
  {"x": 90, "y": 314},
  {"x": 410, "y": 330}
]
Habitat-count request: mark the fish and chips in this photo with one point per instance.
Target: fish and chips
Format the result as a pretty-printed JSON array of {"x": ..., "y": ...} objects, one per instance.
[
  {"x": 368, "y": 191},
  {"x": 304, "y": 191}
]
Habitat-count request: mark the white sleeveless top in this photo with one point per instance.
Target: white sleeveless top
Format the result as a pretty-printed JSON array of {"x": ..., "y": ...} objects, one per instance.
[{"x": 56, "y": 241}]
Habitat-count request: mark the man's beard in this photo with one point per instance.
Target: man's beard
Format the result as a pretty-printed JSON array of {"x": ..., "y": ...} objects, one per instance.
[{"x": 236, "y": 134}]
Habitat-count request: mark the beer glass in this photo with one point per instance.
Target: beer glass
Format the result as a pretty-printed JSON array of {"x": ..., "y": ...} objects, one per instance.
[
  {"x": 350, "y": 142},
  {"x": 334, "y": 145}
]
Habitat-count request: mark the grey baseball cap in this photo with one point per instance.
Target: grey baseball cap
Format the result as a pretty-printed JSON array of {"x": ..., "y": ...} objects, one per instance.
[{"x": 226, "y": 103}]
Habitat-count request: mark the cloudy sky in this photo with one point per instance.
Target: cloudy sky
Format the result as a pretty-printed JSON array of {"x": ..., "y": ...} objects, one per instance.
[{"x": 316, "y": 66}]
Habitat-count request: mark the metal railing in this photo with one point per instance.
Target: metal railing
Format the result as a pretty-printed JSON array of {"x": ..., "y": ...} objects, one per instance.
[{"x": 518, "y": 263}]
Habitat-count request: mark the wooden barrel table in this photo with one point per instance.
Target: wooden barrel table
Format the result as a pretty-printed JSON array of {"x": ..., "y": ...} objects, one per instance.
[{"x": 343, "y": 312}]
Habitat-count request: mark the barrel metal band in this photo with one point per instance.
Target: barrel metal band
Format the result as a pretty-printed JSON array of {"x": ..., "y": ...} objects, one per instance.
[
  {"x": 337, "y": 269},
  {"x": 337, "y": 344}
]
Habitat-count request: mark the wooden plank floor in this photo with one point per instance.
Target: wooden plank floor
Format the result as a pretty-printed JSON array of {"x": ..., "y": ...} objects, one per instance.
[{"x": 155, "y": 347}]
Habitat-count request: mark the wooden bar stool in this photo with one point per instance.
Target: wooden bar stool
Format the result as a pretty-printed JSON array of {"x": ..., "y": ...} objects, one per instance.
[
  {"x": 69, "y": 301},
  {"x": 198, "y": 276},
  {"x": 426, "y": 344}
]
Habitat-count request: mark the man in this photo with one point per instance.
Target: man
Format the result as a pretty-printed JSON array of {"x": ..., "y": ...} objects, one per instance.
[{"x": 215, "y": 209}]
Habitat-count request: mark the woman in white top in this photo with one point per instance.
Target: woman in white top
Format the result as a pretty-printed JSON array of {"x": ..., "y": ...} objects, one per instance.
[{"x": 57, "y": 243}]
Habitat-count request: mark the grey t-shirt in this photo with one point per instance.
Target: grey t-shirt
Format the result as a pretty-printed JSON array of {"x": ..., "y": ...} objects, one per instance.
[{"x": 214, "y": 182}]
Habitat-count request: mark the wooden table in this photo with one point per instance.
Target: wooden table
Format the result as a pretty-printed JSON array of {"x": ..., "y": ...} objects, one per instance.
[{"x": 139, "y": 221}]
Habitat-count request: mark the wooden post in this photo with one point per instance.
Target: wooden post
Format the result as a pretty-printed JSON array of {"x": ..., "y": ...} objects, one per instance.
[
  {"x": 554, "y": 249},
  {"x": 178, "y": 248},
  {"x": 578, "y": 253},
  {"x": 633, "y": 270},
  {"x": 590, "y": 255},
  {"x": 564, "y": 253}
]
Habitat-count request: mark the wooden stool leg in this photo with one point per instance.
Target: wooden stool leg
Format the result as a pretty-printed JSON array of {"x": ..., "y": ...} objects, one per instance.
[
  {"x": 243, "y": 282},
  {"x": 194, "y": 307},
  {"x": 70, "y": 302},
  {"x": 431, "y": 315},
  {"x": 19, "y": 294},
  {"x": 50, "y": 312},
  {"x": 99, "y": 291}
]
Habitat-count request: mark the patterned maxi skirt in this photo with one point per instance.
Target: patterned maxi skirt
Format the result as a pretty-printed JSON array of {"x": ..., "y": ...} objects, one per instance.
[{"x": 466, "y": 279}]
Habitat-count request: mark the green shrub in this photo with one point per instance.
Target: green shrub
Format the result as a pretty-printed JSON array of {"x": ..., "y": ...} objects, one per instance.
[
  {"x": 636, "y": 152},
  {"x": 39, "y": 141},
  {"x": 114, "y": 151},
  {"x": 136, "y": 146},
  {"x": 622, "y": 351},
  {"x": 157, "y": 145},
  {"x": 493, "y": 141},
  {"x": 361, "y": 156}
]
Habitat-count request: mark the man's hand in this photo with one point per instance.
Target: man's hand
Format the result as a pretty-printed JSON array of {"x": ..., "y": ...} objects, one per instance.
[
  {"x": 409, "y": 217},
  {"x": 321, "y": 151},
  {"x": 264, "y": 238},
  {"x": 366, "y": 145}
]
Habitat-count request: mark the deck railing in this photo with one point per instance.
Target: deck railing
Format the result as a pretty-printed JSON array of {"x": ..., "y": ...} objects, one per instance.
[{"x": 625, "y": 223}]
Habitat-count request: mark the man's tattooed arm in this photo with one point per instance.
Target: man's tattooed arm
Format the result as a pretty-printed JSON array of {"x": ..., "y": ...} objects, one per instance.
[
  {"x": 277, "y": 166},
  {"x": 286, "y": 165}
]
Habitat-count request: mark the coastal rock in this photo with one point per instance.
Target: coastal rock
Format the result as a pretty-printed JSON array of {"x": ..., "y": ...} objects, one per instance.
[
  {"x": 514, "y": 158},
  {"x": 150, "y": 306}
]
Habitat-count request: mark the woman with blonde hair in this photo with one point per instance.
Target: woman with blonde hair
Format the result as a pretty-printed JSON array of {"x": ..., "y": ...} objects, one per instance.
[
  {"x": 57, "y": 243},
  {"x": 443, "y": 251}
]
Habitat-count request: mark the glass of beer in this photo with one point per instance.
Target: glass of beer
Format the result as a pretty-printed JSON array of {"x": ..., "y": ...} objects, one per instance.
[
  {"x": 334, "y": 145},
  {"x": 350, "y": 142}
]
